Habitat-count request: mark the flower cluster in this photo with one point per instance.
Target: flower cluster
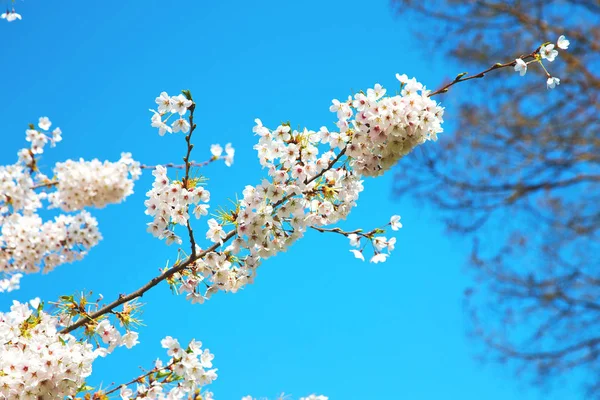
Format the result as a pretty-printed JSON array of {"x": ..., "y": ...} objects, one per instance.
[
  {"x": 385, "y": 129},
  {"x": 169, "y": 201},
  {"x": 546, "y": 52},
  {"x": 379, "y": 243},
  {"x": 173, "y": 107},
  {"x": 93, "y": 183},
  {"x": 113, "y": 338},
  {"x": 36, "y": 362},
  {"x": 28, "y": 242},
  {"x": 186, "y": 372}
]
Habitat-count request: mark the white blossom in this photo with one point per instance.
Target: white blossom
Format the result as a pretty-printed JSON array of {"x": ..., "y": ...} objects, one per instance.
[
  {"x": 552, "y": 82},
  {"x": 395, "y": 223},
  {"x": 562, "y": 42},
  {"x": 547, "y": 52},
  {"x": 521, "y": 66}
]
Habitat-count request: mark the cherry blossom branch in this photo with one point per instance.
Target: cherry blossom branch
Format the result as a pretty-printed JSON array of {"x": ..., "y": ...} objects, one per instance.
[
  {"x": 182, "y": 166},
  {"x": 331, "y": 164},
  {"x": 140, "y": 292},
  {"x": 461, "y": 77},
  {"x": 46, "y": 184},
  {"x": 178, "y": 267},
  {"x": 317, "y": 176},
  {"x": 139, "y": 378},
  {"x": 358, "y": 232}
]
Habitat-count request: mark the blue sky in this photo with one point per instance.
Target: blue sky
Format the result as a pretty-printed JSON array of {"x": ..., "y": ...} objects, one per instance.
[{"x": 317, "y": 320}]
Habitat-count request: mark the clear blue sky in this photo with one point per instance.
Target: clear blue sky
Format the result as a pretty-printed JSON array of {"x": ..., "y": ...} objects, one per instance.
[{"x": 317, "y": 320}]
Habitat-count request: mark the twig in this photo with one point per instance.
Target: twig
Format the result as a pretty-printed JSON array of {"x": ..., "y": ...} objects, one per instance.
[
  {"x": 182, "y": 166},
  {"x": 47, "y": 184},
  {"x": 139, "y": 378},
  {"x": 186, "y": 159},
  {"x": 461, "y": 77}
]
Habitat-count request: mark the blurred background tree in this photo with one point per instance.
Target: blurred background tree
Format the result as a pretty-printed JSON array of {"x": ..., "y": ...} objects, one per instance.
[{"x": 520, "y": 176}]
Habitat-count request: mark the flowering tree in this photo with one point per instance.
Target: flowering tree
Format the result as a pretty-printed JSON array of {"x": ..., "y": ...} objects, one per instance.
[{"x": 313, "y": 180}]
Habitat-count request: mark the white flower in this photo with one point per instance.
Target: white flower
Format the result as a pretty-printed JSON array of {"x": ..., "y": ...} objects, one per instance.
[
  {"x": 10, "y": 16},
  {"x": 552, "y": 82},
  {"x": 354, "y": 240},
  {"x": 201, "y": 209},
  {"x": 548, "y": 52},
  {"x": 377, "y": 258},
  {"x": 216, "y": 150},
  {"x": 181, "y": 104},
  {"x": 376, "y": 93},
  {"x": 165, "y": 104},
  {"x": 181, "y": 125},
  {"x": 125, "y": 393},
  {"x": 358, "y": 254},
  {"x": 380, "y": 243},
  {"x": 230, "y": 152},
  {"x": 44, "y": 123},
  {"x": 402, "y": 78},
  {"x": 521, "y": 66},
  {"x": 215, "y": 232},
  {"x": 562, "y": 42},
  {"x": 195, "y": 298},
  {"x": 174, "y": 349},
  {"x": 157, "y": 122},
  {"x": 395, "y": 223},
  {"x": 130, "y": 339},
  {"x": 390, "y": 244},
  {"x": 172, "y": 238},
  {"x": 56, "y": 136}
]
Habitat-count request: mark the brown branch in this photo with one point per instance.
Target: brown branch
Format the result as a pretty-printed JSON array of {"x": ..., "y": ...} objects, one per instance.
[
  {"x": 335, "y": 230},
  {"x": 140, "y": 292},
  {"x": 591, "y": 343},
  {"x": 461, "y": 77},
  {"x": 139, "y": 378},
  {"x": 320, "y": 174},
  {"x": 182, "y": 166},
  {"x": 359, "y": 232},
  {"x": 47, "y": 184},
  {"x": 186, "y": 159}
]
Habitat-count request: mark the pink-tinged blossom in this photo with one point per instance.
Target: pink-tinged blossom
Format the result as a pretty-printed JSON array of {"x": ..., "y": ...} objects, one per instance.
[{"x": 548, "y": 52}]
